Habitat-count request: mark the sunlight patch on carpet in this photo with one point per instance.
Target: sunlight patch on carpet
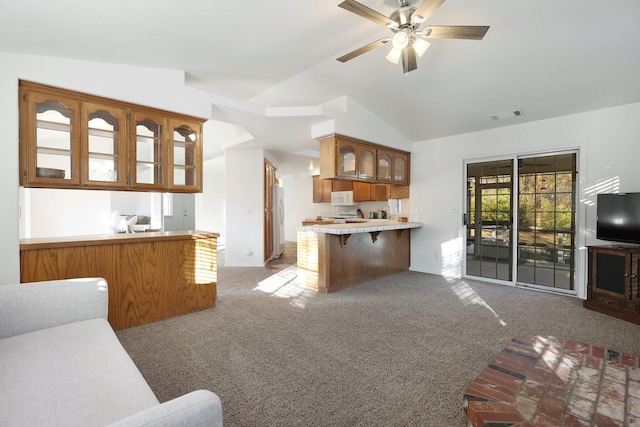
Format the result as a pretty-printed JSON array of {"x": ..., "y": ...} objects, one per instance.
[
  {"x": 468, "y": 297},
  {"x": 288, "y": 284}
]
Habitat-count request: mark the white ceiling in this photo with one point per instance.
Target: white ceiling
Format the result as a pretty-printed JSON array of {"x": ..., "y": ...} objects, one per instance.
[{"x": 546, "y": 57}]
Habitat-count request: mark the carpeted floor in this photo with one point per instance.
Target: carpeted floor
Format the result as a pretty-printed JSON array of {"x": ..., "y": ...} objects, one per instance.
[{"x": 392, "y": 352}]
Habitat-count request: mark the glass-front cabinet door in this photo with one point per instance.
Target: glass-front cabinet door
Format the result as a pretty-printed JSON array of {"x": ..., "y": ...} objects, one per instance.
[
  {"x": 367, "y": 165},
  {"x": 385, "y": 162},
  {"x": 50, "y": 127},
  {"x": 347, "y": 159},
  {"x": 185, "y": 151},
  {"x": 147, "y": 135},
  {"x": 104, "y": 153},
  {"x": 400, "y": 168}
]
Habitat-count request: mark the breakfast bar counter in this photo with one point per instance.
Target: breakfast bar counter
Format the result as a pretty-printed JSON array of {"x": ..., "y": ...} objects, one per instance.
[
  {"x": 151, "y": 276},
  {"x": 336, "y": 256}
]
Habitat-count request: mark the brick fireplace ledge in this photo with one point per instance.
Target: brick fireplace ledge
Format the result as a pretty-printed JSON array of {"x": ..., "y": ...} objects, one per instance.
[{"x": 549, "y": 381}]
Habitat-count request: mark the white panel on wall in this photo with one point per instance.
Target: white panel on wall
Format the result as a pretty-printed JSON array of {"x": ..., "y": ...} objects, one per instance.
[
  {"x": 211, "y": 203},
  {"x": 56, "y": 213},
  {"x": 245, "y": 207}
]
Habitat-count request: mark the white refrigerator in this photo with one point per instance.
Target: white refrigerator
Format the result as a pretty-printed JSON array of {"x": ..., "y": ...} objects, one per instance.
[{"x": 278, "y": 221}]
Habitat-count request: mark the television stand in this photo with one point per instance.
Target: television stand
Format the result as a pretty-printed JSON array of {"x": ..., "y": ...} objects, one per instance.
[{"x": 613, "y": 281}]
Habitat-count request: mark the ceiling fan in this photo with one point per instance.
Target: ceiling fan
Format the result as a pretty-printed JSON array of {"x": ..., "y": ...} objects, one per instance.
[{"x": 407, "y": 39}]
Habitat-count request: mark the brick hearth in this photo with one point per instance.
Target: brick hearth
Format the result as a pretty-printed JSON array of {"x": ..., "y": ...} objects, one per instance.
[{"x": 548, "y": 381}]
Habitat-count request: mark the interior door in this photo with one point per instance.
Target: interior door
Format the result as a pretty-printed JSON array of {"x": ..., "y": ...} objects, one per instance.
[{"x": 179, "y": 212}]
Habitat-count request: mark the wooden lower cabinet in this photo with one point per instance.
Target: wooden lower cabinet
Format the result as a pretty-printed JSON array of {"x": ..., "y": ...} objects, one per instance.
[
  {"x": 151, "y": 276},
  {"x": 613, "y": 281},
  {"x": 330, "y": 262}
]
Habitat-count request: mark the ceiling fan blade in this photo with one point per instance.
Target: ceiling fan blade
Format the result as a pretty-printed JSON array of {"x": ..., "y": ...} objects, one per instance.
[
  {"x": 364, "y": 49},
  {"x": 469, "y": 32},
  {"x": 366, "y": 12},
  {"x": 427, "y": 7},
  {"x": 409, "y": 62}
]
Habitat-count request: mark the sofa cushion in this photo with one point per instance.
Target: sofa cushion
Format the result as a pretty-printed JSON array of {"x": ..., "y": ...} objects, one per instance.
[{"x": 73, "y": 375}]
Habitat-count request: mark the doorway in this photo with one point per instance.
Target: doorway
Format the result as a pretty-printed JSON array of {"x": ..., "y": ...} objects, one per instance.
[
  {"x": 539, "y": 250},
  {"x": 179, "y": 211}
]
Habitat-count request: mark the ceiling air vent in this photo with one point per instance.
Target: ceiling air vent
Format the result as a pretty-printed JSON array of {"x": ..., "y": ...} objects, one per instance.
[{"x": 507, "y": 114}]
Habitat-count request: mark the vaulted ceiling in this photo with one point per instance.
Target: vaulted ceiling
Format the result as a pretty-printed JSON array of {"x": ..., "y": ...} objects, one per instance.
[{"x": 547, "y": 58}]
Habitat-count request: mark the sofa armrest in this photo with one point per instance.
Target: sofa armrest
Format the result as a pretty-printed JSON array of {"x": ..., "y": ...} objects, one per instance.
[
  {"x": 39, "y": 305},
  {"x": 199, "y": 408}
]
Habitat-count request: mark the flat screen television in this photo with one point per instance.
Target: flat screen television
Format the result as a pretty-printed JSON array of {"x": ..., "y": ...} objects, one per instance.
[{"x": 618, "y": 217}]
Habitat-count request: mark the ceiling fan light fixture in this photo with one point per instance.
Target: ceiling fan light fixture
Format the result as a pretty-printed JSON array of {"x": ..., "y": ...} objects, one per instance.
[
  {"x": 400, "y": 40},
  {"x": 394, "y": 55},
  {"x": 420, "y": 46}
]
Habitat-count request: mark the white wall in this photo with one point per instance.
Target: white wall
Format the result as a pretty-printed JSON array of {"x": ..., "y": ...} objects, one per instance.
[
  {"x": 609, "y": 150},
  {"x": 244, "y": 207},
  {"x": 55, "y": 212},
  {"x": 211, "y": 203}
]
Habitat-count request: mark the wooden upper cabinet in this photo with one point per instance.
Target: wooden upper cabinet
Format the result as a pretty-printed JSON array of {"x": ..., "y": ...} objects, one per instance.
[
  {"x": 347, "y": 159},
  {"x": 400, "y": 169},
  {"x": 385, "y": 166},
  {"x": 148, "y": 151},
  {"x": 50, "y": 127},
  {"x": 73, "y": 140},
  {"x": 185, "y": 153},
  {"x": 367, "y": 162},
  {"x": 104, "y": 154}
]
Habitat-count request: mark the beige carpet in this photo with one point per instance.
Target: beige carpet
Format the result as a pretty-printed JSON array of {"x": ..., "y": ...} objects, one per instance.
[{"x": 392, "y": 352}]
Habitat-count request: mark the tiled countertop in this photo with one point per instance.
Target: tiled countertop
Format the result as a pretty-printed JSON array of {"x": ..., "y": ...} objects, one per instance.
[{"x": 362, "y": 226}]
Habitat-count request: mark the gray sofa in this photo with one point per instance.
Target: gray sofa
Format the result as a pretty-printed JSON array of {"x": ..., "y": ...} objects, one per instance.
[{"x": 62, "y": 364}]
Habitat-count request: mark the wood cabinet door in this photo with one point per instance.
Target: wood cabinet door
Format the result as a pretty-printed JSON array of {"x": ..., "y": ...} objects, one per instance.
[
  {"x": 321, "y": 189},
  {"x": 635, "y": 277},
  {"x": 342, "y": 185},
  {"x": 399, "y": 192},
  {"x": 400, "y": 168},
  {"x": 380, "y": 192},
  {"x": 361, "y": 192},
  {"x": 185, "y": 156},
  {"x": 104, "y": 154},
  {"x": 609, "y": 272},
  {"x": 148, "y": 151},
  {"x": 50, "y": 139},
  {"x": 347, "y": 159},
  {"x": 366, "y": 162},
  {"x": 384, "y": 166}
]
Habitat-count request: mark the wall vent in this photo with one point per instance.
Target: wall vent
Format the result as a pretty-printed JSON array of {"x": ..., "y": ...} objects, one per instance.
[{"x": 507, "y": 114}]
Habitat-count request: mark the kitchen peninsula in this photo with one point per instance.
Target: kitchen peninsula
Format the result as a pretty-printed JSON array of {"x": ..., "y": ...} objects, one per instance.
[
  {"x": 151, "y": 276},
  {"x": 337, "y": 256}
]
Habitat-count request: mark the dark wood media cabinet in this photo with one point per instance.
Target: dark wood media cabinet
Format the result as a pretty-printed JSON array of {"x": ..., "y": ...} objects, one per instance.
[{"x": 613, "y": 281}]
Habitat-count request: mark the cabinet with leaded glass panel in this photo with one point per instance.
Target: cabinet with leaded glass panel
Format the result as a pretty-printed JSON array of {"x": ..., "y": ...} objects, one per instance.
[
  {"x": 185, "y": 153},
  {"x": 74, "y": 140},
  {"x": 104, "y": 154},
  {"x": 147, "y": 169},
  {"x": 50, "y": 127}
]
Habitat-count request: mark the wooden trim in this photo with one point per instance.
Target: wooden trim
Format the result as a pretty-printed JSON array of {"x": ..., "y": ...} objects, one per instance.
[
  {"x": 362, "y": 142},
  {"x": 99, "y": 99},
  {"x": 110, "y": 239}
]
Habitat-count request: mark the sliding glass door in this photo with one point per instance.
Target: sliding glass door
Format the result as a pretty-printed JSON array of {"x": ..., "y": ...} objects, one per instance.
[
  {"x": 540, "y": 250},
  {"x": 489, "y": 219},
  {"x": 546, "y": 221}
]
